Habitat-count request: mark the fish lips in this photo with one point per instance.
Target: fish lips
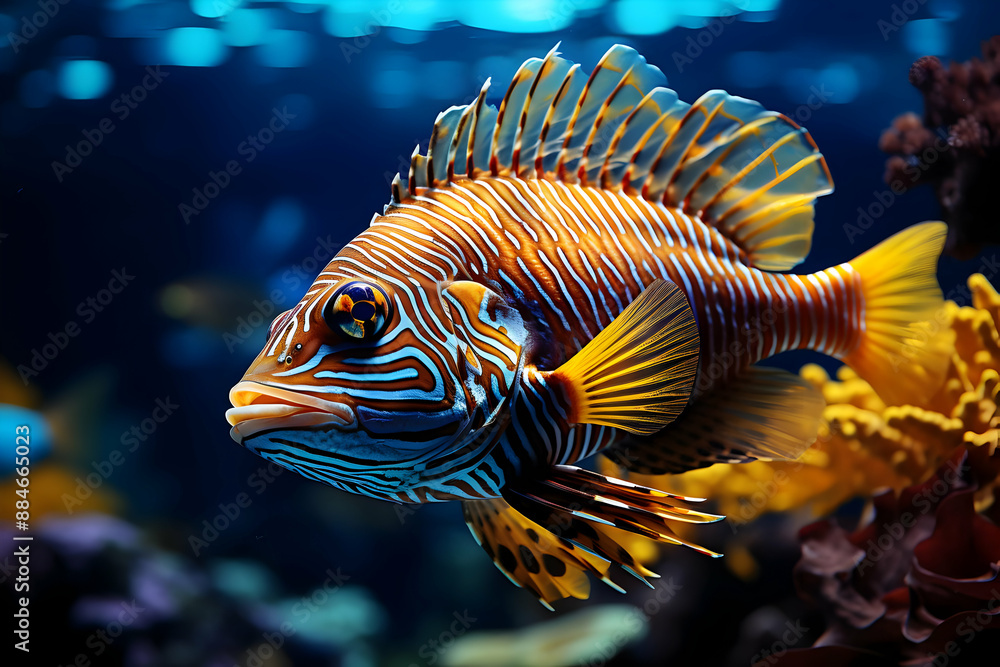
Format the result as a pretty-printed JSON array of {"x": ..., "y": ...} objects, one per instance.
[{"x": 259, "y": 407}]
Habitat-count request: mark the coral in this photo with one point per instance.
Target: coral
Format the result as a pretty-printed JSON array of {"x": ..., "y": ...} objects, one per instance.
[
  {"x": 865, "y": 445},
  {"x": 590, "y": 635},
  {"x": 104, "y": 592},
  {"x": 955, "y": 147},
  {"x": 917, "y": 582},
  {"x": 916, "y": 585}
]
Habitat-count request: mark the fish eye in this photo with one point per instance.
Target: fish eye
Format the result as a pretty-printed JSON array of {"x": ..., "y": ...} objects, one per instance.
[{"x": 358, "y": 310}]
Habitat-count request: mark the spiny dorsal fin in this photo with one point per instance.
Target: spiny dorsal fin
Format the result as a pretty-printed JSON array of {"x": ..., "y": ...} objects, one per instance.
[{"x": 751, "y": 173}]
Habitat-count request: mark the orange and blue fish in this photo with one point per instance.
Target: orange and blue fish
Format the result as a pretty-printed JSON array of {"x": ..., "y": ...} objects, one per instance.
[{"x": 593, "y": 267}]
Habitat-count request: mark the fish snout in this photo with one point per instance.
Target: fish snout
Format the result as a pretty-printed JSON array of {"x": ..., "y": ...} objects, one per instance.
[{"x": 259, "y": 407}]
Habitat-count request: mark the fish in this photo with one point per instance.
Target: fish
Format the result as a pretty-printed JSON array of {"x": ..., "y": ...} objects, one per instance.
[{"x": 594, "y": 266}]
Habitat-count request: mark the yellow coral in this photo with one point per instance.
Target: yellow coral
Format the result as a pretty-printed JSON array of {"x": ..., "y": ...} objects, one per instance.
[{"x": 864, "y": 444}]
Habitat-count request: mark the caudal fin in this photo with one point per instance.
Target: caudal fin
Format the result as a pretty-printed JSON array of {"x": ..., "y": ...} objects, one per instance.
[{"x": 902, "y": 350}]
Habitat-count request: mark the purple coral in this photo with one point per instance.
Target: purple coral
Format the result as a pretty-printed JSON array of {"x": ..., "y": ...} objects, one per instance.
[
  {"x": 917, "y": 585},
  {"x": 955, "y": 147}
]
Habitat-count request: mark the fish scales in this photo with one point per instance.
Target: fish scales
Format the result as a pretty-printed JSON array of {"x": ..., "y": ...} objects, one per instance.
[{"x": 650, "y": 242}]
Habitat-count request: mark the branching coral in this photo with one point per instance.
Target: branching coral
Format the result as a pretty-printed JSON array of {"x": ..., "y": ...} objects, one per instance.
[{"x": 956, "y": 147}]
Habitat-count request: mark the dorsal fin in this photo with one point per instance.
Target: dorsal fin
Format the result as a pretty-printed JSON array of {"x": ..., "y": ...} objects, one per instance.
[{"x": 752, "y": 174}]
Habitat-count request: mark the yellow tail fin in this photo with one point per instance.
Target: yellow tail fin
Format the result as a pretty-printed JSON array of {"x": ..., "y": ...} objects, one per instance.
[{"x": 903, "y": 349}]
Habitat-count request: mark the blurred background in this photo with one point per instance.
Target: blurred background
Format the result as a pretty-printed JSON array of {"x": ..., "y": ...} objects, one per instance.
[{"x": 173, "y": 173}]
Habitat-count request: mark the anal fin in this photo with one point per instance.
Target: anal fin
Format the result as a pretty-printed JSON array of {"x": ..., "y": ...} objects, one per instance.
[{"x": 762, "y": 414}]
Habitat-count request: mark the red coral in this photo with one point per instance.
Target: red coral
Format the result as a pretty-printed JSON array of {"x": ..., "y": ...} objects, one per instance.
[{"x": 955, "y": 147}]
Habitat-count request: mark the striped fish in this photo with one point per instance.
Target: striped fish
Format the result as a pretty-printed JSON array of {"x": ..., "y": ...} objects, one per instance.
[{"x": 594, "y": 266}]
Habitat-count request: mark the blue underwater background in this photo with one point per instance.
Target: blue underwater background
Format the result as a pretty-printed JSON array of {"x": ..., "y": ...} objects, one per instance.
[{"x": 152, "y": 222}]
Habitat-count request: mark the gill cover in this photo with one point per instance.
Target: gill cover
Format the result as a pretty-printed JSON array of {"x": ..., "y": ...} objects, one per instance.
[{"x": 491, "y": 338}]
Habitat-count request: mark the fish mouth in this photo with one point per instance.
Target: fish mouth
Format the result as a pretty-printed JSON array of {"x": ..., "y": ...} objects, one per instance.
[{"x": 259, "y": 407}]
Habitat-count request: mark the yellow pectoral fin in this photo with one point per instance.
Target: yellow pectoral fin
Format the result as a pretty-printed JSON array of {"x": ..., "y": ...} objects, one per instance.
[
  {"x": 548, "y": 532},
  {"x": 638, "y": 373}
]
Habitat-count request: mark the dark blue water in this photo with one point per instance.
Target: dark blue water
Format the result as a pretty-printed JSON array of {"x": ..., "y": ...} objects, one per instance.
[{"x": 215, "y": 154}]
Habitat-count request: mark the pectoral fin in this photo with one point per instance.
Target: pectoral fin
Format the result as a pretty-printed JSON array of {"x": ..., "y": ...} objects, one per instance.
[
  {"x": 638, "y": 373},
  {"x": 582, "y": 502}
]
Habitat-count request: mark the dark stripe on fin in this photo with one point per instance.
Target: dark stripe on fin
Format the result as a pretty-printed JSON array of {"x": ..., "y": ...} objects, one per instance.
[{"x": 764, "y": 413}]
